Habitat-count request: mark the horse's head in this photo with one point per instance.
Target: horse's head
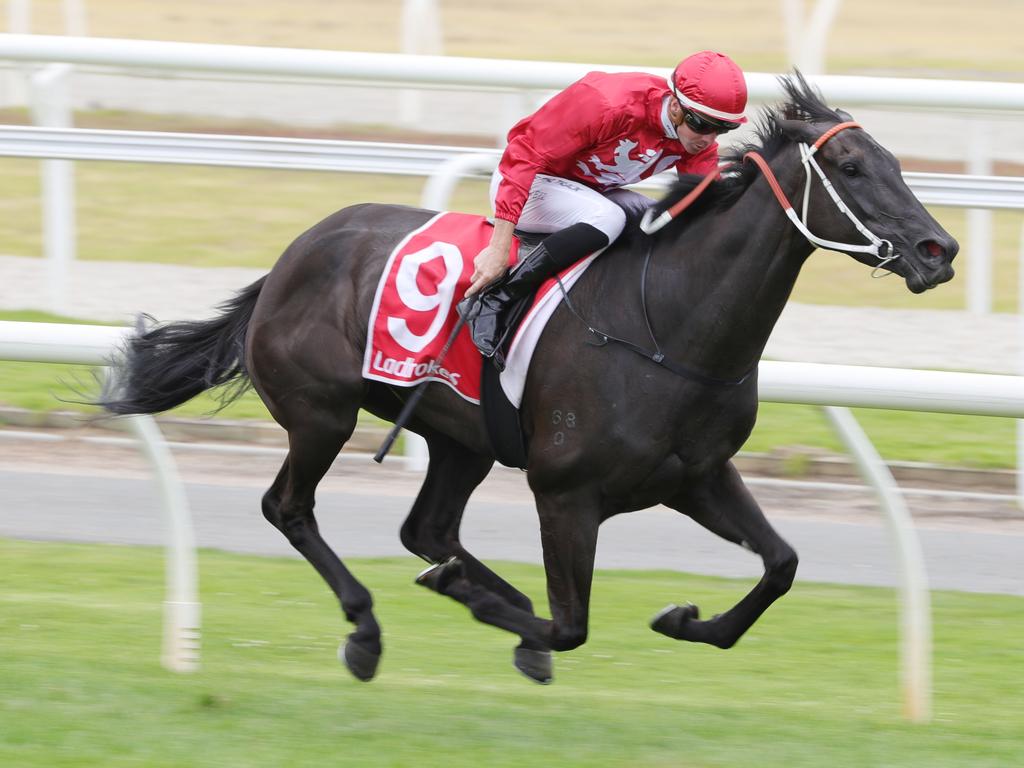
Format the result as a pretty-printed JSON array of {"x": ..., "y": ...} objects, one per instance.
[{"x": 866, "y": 179}]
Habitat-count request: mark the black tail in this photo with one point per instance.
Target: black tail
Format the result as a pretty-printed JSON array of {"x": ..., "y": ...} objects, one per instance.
[{"x": 169, "y": 364}]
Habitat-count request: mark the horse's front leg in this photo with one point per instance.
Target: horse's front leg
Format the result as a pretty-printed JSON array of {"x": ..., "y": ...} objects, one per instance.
[
  {"x": 568, "y": 525},
  {"x": 723, "y": 505}
]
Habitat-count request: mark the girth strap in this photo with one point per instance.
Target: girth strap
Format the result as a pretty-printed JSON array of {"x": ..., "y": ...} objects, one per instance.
[
  {"x": 657, "y": 356},
  {"x": 669, "y": 365}
]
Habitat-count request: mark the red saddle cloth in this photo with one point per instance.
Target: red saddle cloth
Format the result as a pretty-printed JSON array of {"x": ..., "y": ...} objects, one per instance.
[{"x": 414, "y": 310}]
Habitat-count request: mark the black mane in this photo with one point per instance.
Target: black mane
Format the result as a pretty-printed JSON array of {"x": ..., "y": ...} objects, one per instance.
[{"x": 804, "y": 102}]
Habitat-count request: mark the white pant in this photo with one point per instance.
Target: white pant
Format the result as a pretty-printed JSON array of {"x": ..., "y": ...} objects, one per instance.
[{"x": 555, "y": 203}]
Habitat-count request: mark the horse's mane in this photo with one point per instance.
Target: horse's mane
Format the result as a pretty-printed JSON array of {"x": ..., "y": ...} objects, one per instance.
[{"x": 803, "y": 103}]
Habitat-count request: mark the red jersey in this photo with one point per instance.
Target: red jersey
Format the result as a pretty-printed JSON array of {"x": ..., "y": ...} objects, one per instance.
[{"x": 605, "y": 131}]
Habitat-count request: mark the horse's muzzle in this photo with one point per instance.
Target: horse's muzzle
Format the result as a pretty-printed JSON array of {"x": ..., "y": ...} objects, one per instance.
[{"x": 930, "y": 264}]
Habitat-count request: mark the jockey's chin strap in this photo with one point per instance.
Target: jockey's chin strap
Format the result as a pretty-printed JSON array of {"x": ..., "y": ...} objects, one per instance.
[{"x": 881, "y": 249}]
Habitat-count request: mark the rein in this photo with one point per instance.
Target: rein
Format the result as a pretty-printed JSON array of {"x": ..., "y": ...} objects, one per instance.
[
  {"x": 657, "y": 356},
  {"x": 650, "y": 224},
  {"x": 879, "y": 248}
]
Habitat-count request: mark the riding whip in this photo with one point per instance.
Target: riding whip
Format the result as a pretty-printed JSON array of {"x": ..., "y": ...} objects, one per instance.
[{"x": 417, "y": 395}]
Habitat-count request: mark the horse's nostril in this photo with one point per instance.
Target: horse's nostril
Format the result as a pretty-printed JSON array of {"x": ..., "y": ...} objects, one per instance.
[{"x": 931, "y": 250}]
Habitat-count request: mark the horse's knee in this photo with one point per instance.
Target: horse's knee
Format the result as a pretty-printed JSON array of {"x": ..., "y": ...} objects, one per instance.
[
  {"x": 271, "y": 505},
  {"x": 296, "y": 523},
  {"x": 567, "y": 638},
  {"x": 782, "y": 571},
  {"x": 423, "y": 544}
]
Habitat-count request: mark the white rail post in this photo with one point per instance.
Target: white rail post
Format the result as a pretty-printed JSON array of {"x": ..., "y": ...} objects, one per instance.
[
  {"x": 979, "y": 224},
  {"x": 51, "y": 108},
  {"x": 93, "y": 345},
  {"x": 182, "y": 608},
  {"x": 915, "y": 601},
  {"x": 75, "y": 24},
  {"x": 421, "y": 34},
  {"x": 1020, "y": 361},
  {"x": 805, "y": 43},
  {"x": 19, "y": 22}
]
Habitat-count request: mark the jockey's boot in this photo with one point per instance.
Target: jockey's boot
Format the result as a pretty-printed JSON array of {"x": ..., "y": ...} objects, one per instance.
[{"x": 488, "y": 321}]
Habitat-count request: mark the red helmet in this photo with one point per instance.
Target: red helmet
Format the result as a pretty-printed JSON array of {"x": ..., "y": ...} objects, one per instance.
[{"x": 712, "y": 85}]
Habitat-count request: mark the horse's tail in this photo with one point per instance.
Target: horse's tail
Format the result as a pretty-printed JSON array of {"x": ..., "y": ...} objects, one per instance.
[{"x": 166, "y": 365}]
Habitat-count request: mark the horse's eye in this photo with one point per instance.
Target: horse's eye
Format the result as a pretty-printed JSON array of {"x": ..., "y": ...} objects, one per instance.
[{"x": 850, "y": 169}]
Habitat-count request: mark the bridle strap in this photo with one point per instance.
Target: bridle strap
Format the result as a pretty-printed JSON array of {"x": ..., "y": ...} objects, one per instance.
[
  {"x": 833, "y": 131},
  {"x": 649, "y": 225},
  {"x": 655, "y": 356},
  {"x": 877, "y": 244},
  {"x": 769, "y": 176}
]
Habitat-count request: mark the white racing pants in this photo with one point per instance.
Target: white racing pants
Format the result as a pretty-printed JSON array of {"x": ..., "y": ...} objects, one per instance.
[{"x": 555, "y": 203}]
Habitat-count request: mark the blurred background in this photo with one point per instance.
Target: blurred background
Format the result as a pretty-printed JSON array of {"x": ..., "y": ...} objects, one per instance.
[{"x": 117, "y": 221}]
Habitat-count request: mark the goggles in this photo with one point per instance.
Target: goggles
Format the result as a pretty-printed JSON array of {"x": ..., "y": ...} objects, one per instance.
[{"x": 703, "y": 126}]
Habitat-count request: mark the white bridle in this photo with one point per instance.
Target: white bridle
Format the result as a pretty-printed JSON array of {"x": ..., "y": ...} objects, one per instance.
[
  {"x": 876, "y": 243},
  {"x": 876, "y": 246}
]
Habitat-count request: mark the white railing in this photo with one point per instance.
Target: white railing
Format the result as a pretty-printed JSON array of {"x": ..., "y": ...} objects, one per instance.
[
  {"x": 464, "y": 72},
  {"x": 93, "y": 345},
  {"x": 835, "y": 386},
  {"x": 943, "y": 189},
  {"x": 444, "y": 165},
  {"x": 170, "y": 58}
]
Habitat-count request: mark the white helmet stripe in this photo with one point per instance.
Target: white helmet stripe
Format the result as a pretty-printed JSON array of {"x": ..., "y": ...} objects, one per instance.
[{"x": 734, "y": 117}]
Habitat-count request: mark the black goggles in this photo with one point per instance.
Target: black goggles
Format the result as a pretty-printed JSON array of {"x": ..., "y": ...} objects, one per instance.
[{"x": 703, "y": 126}]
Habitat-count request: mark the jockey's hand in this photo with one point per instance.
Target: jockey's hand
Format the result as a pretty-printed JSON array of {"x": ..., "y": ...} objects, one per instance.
[{"x": 489, "y": 265}]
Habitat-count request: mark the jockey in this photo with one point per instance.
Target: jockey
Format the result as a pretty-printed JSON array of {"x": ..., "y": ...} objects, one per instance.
[{"x": 565, "y": 164}]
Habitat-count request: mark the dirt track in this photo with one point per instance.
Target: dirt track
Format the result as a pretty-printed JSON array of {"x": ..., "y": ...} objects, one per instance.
[{"x": 98, "y": 453}]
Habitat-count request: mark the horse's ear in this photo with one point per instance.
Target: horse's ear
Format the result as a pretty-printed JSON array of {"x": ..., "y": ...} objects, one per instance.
[{"x": 799, "y": 130}]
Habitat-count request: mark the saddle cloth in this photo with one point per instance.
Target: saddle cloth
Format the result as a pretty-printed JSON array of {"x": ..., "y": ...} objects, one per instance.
[{"x": 413, "y": 311}]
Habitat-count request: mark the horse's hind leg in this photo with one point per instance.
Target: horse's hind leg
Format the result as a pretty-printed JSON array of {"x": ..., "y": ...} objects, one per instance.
[
  {"x": 432, "y": 532},
  {"x": 723, "y": 505},
  {"x": 313, "y": 445}
]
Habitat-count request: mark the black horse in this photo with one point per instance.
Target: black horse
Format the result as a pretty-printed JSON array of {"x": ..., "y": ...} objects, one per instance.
[{"x": 609, "y": 431}]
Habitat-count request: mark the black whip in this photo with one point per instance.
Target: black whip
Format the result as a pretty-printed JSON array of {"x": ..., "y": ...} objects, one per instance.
[{"x": 417, "y": 395}]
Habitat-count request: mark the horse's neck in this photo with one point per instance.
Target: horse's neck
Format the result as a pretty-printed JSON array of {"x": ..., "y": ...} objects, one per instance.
[{"x": 717, "y": 292}]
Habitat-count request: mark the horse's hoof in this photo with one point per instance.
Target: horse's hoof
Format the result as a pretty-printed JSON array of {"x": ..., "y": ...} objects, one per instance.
[
  {"x": 670, "y": 619},
  {"x": 536, "y": 665},
  {"x": 361, "y": 661},
  {"x": 440, "y": 575}
]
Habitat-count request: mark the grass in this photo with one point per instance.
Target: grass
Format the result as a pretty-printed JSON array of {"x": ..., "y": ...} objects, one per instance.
[
  {"x": 221, "y": 217},
  {"x": 814, "y": 682}
]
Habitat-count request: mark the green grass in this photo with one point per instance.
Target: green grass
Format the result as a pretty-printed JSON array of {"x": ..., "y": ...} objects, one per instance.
[
  {"x": 222, "y": 217},
  {"x": 814, "y": 683}
]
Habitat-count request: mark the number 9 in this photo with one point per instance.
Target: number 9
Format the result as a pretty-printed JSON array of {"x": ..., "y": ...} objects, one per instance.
[{"x": 411, "y": 295}]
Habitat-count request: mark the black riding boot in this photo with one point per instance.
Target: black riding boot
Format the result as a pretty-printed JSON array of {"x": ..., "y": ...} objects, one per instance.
[{"x": 556, "y": 252}]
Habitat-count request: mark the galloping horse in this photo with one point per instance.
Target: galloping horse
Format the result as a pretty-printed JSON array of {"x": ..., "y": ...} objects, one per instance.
[{"x": 703, "y": 289}]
